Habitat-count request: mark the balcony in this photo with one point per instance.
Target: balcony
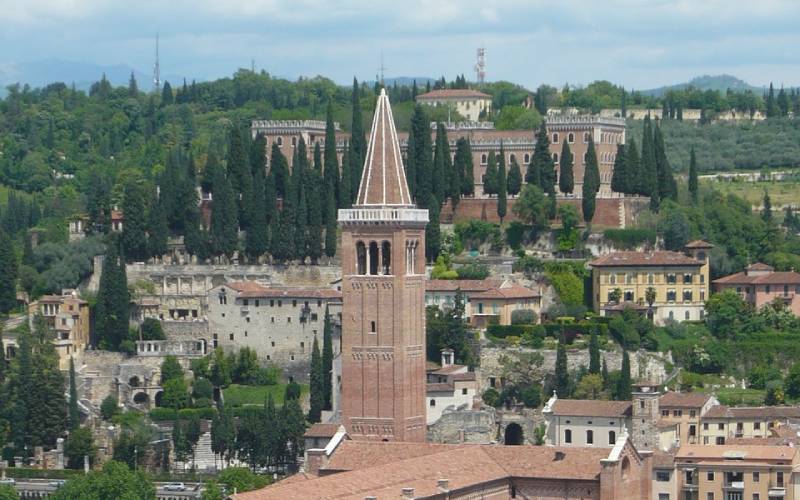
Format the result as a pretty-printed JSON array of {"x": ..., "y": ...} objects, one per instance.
[
  {"x": 733, "y": 485},
  {"x": 776, "y": 492}
]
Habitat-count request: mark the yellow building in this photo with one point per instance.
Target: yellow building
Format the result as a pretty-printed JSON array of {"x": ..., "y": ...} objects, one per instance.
[
  {"x": 468, "y": 103},
  {"x": 736, "y": 472},
  {"x": 68, "y": 316},
  {"x": 680, "y": 282},
  {"x": 681, "y": 413},
  {"x": 721, "y": 423}
]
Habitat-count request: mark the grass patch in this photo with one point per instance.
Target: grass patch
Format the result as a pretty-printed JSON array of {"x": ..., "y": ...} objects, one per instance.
[
  {"x": 244, "y": 395},
  {"x": 741, "y": 397},
  {"x": 780, "y": 192}
]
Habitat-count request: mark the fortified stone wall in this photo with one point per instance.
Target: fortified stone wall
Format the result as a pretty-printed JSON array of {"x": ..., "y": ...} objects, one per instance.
[
  {"x": 644, "y": 365},
  {"x": 186, "y": 330},
  {"x": 464, "y": 426}
]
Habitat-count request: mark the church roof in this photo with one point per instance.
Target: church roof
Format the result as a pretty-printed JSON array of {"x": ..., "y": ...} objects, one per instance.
[{"x": 383, "y": 180}]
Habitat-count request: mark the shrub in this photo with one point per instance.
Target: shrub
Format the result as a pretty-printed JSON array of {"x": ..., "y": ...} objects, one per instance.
[
  {"x": 568, "y": 286},
  {"x": 476, "y": 232},
  {"x": 491, "y": 397},
  {"x": 293, "y": 390},
  {"x": 528, "y": 264},
  {"x": 631, "y": 238},
  {"x": 151, "y": 330},
  {"x": 523, "y": 317},
  {"x": 109, "y": 407},
  {"x": 531, "y": 396},
  {"x": 473, "y": 271},
  {"x": 202, "y": 389},
  {"x": 515, "y": 233},
  {"x": 168, "y": 414}
]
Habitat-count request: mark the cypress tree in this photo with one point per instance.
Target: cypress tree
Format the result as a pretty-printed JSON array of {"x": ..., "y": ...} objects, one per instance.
[
  {"x": 693, "y": 177},
  {"x": 74, "y": 414},
  {"x": 358, "y": 141},
  {"x": 667, "y": 187},
  {"x": 133, "y": 88},
  {"x": 766, "y": 210},
  {"x": 562, "y": 373},
  {"x": 566, "y": 181},
  {"x": 345, "y": 183},
  {"x": 620, "y": 175},
  {"x": 157, "y": 229},
  {"x": 20, "y": 391},
  {"x": 465, "y": 167},
  {"x": 257, "y": 237},
  {"x": 301, "y": 223},
  {"x": 432, "y": 231},
  {"x": 410, "y": 159},
  {"x": 279, "y": 171},
  {"x": 240, "y": 176},
  {"x": 316, "y": 201},
  {"x": 514, "y": 179},
  {"x": 330, "y": 163},
  {"x": 443, "y": 177},
  {"x": 134, "y": 239},
  {"x": 49, "y": 419},
  {"x": 648, "y": 175},
  {"x": 490, "y": 177},
  {"x": 318, "y": 159},
  {"x": 2, "y": 365},
  {"x": 224, "y": 224},
  {"x": 633, "y": 167},
  {"x": 330, "y": 225},
  {"x": 316, "y": 383},
  {"x": 594, "y": 353},
  {"x": 772, "y": 107},
  {"x": 111, "y": 308},
  {"x": 282, "y": 243},
  {"x": 419, "y": 157},
  {"x": 541, "y": 166},
  {"x": 166, "y": 95},
  {"x": 604, "y": 373},
  {"x": 8, "y": 274},
  {"x": 327, "y": 361},
  {"x": 501, "y": 185},
  {"x": 624, "y": 382},
  {"x": 591, "y": 183}
]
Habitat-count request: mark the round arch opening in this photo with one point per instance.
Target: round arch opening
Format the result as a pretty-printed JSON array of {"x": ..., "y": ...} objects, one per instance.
[{"x": 514, "y": 435}]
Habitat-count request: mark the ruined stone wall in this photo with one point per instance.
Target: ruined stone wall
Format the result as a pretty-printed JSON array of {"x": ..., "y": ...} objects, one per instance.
[
  {"x": 464, "y": 426},
  {"x": 644, "y": 365},
  {"x": 186, "y": 330}
]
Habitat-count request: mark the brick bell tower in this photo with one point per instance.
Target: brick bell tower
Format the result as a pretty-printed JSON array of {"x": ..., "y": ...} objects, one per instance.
[{"x": 383, "y": 294}]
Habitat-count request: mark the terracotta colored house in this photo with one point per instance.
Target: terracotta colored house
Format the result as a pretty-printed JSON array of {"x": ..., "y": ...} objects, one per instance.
[
  {"x": 760, "y": 284},
  {"x": 485, "y": 300}
]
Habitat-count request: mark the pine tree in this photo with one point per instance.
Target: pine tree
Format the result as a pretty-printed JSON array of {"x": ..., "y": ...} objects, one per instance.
[
  {"x": 113, "y": 299},
  {"x": 166, "y": 95},
  {"x": 358, "y": 141},
  {"x": 133, "y": 88},
  {"x": 74, "y": 414},
  {"x": 330, "y": 226},
  {"x": 633, "y": 167},
  {"x": 620, "y": 177},
  {"x": 463, "y": 161},
  {"x": 327, "y": 361},
  {"x": 316, "y": 383},
  {"x": 766, "y": 209},
  {"x": 157, "y": 229},
  {"x": 514, "y": 179},
  {"x": 648, "y": 174},
  {"x": 432, "y": 231},
  {"x": 490, "y": 177},
  {"x": 8, "y": 274},
  {"x": 566, "y": 181},
  {"x": 257, "y": 237},
  {"x": 501, "y": 185},
  {"x": 562, "y": 373},
  {"x": 134, "y": 239},
  {"x": 693, "y": 185},
  {"x": 591, "y": 183},
  {"x": 623, "y": 392},
  {"x": 279, "y": 171},
  {"x": 594, "y": 353},
  {"x": 331, "y": 165}
]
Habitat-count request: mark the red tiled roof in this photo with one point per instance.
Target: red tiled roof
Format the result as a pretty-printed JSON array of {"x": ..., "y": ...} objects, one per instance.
[
  {"x": 683, "y": 399},
  {"x": 779, "y": 412},
  {"x": 513, "y": 291},
  {"x": 445, "y": 93},
  {"x": 698, "y": 244},
  {"x": 439, "y": 387},
  {"x": 638, "y": 259},
  {"x": 446, "y": 370},
  {"x": 663, "y": 460},
  {"x": 759, "y": 266},
  {"x": 772, "y": 278},
  {"x": 591, "y": 408},
  {"x": 742, "y": 452},
  {"x": 351, "y": 455},
  {"x": 251, "y": 289},
  {"x": 322, "y": 430}
]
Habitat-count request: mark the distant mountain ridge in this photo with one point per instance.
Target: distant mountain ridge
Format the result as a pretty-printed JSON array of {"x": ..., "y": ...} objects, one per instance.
[{"x": 707, "y": 82}]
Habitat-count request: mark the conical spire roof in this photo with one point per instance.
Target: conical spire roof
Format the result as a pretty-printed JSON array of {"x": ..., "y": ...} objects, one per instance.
[{"x": 383, "y": 180}]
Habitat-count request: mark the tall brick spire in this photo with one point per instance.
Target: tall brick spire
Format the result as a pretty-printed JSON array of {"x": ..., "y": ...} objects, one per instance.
[{"x": 383, "y": 179}]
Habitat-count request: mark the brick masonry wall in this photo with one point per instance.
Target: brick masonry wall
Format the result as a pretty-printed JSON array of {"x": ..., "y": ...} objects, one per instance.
[{"x": 606, "y": 213}]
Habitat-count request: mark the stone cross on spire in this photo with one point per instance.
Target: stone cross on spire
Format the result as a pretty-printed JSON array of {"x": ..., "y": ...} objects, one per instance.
[{"x": 383, "y": 179}]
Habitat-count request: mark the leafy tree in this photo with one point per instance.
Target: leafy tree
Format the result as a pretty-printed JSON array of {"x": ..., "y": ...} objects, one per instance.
[
  {"x": 531, "y": 207},
  {"x": 109, "y": 407},
  {"x": 74, "y": 413},
  {"x": 246, "y": 369},
  {"x": 566, "y": 181},
  {"x": 176, "y": 394},
  {"x": 151, "y": 330},
  {"x": 590, "y": 387},
  {"x": 242, "y": 479},
  {"x": 116, "y": 480},
  {"x": 79, "y": 444},
  {"x": 775, "y": 394},
  {"x": 447, "y": 329},
  {"x": 591, "y": 183},
  {"x": 562, "y": 383},
  {"x": 212, "y": 491},
  {"x": 539, "y": 433},
  {"x": 8, "y": 274},
  {"x": 171, "y": 369},
  {"x": 327, "y": 361},
  {"x": 693, "y": 184},
  {"x": 792, "y": 382},
  {"x": 650, "y": 296},
  {"x": 7, "y": 492},
  {"x": 220, "y": 369},
  {"x": 223, "y": 434},
  {"x": 594, "y": 353}
]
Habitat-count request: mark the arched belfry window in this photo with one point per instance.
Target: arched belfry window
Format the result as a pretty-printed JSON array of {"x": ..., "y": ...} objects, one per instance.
[
  {"x": 373, "y": 258},
  {"x": 361, "y": 258},
  {"x": 411, "y": 256},
  {"x": 386, "y": 258}
]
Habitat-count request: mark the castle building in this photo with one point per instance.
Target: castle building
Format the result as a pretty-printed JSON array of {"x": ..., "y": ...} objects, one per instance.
[
  {"x": 471, "y": 104},
  {"x": 383, "y": 297},
  {"x": 678, "y": 280}
]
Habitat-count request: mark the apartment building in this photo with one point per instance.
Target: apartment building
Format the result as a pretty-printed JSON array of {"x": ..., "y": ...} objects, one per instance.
[{"x": 68, "y": 316}]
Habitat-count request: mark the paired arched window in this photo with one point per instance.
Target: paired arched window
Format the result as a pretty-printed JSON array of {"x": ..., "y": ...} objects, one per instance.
[
  {"x": 373, "y": 259},
  {"x": 386, "y": 258},
  {"x": 361, "y": 258}
]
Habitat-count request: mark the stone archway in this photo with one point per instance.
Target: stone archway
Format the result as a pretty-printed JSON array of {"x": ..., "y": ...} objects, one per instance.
[
  {"x": 514, "y": 435},
  {"x": 158, "y": 397},
  {"x": 141, "y": 398}
]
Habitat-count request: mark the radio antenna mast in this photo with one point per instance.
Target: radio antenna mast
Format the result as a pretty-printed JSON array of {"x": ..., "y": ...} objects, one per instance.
[{"x": 157, "y": 70}]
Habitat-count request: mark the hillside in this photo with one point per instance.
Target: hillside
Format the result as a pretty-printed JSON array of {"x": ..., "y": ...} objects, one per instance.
[{"x": 707, "y": 82}]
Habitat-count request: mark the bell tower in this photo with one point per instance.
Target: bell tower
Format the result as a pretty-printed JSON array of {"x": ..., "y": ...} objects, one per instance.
[{"x": 383, "y": 294}]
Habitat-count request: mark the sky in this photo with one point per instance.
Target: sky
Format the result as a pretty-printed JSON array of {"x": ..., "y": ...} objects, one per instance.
[{"x": 639, "y": 44}]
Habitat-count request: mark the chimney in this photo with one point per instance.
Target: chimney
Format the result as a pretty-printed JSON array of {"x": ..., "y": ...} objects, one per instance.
[
  {"x": 559, "y": 456},
  {"x": 443, "y": 485},
  {"x": 408, "y": 493}
]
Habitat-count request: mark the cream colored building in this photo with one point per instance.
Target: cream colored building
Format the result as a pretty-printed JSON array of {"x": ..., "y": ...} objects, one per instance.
[
  {"x": 585, "y": 422},
  {"x": 736, "y": 472},
  {"x": 485, "y": 300},
  {"x": 68, "y": 316},
  {"x": 451, "y": 386},
  {"x": 470, "y": 104},
  {"x": 681, "y": 413},
  {"x": 721, "y": 423},
  {"x": 680, "y": 281}
]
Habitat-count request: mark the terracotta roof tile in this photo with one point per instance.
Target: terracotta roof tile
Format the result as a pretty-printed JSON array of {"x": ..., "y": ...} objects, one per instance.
[
  {"x": 698, "y": 244},
  {"x": 662, "y": 460},
  {"x": 591, "y": 408},
  {"x": 463, "y": 285},
  {"x": 723, "y": 411},
  {"x": 759, "y": 266},
  {"x": 350, "y": 455},
  {"x": 683, "y": 399},
  {"x": 639, "y": 259},
  {"x": 322, "y": 430},
  {"x": 746, "y": 452},
  {"x": 772, "y": 278},
  {"x": 252, "y": 289},
  {"x": 507, "y": 292}
]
